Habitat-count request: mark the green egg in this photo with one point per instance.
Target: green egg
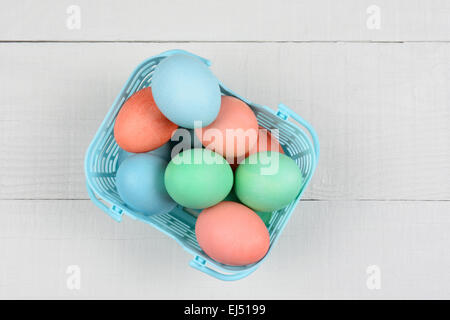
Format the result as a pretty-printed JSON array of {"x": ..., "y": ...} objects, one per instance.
[
  {"x": 268, "y": 181},
  {"x": 198, "y": 178}
]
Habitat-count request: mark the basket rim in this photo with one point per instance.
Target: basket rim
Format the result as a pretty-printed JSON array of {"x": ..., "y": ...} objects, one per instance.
[{"x": 99, "y": 195}]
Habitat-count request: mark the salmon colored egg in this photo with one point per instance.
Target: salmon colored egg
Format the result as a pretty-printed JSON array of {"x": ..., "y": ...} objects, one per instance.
[
  {"x": 234, "y": 132},
  {"x": 265, "y": 142},
  {"x": 232, "y": 233},
  {"x": 140, "y": 126}
]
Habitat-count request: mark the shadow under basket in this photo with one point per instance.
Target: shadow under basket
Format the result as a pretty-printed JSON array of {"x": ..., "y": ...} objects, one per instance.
[{"x": 101, "y": 166}]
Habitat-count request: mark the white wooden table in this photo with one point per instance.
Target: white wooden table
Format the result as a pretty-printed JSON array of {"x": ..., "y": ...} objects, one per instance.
[{"x": 373, "y": 77}]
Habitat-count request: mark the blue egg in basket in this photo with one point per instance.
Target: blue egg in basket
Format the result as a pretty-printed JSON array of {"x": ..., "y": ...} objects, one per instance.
[
  {"x": 163, "y": 152},
  {"x": 140, "y": 184},
  {"x": 185, "y": 90}
]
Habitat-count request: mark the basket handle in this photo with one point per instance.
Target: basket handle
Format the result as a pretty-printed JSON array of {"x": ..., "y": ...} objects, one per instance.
[
  {"x": 113, "y": 212},
  {"x": 177, "y": 51},
  {"x": 200, "y": 264},
  {"x": 315, "y": 140}
]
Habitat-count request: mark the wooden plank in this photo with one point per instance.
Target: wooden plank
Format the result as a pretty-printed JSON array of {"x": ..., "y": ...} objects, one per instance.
[
  {"x": 381, "y": 111},
  {"x": 323, "y": 253},
  {"x": 233, "y": 20}
]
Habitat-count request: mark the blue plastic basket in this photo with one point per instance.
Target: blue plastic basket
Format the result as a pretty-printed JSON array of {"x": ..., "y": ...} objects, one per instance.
[{"x": 101, "y": 166}]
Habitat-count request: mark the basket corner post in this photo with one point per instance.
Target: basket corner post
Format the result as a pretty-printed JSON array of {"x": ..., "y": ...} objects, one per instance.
[{"x": 200, "y": 264}]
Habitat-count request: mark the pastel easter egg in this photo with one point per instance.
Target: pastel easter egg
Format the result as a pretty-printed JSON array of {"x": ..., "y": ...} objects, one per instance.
[
  {"x": 265, "y": 216},
  {"x": 265, "y": 142},
  {"x": 140, "y": 184},
  {"x": 232, "y": 234},
  {"x": 186, "y": 91},
  {"x": 140, "y": 126},
  {"x": 198, "y": 178},
  {"x": 268, "y": 181},
  {"x": 234, "y": 132}
]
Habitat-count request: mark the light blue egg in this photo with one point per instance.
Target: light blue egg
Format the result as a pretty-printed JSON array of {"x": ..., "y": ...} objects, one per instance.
[
  {"x": 185, "y": 90},
  {"x": 140, "y": 184},
  {"x": 163, "y": 152}
]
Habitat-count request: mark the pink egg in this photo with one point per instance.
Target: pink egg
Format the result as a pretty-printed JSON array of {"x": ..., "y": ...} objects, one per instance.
[
  {"x": 231, "y": 233},
  {"x": 234, "y": 132},
  {"x": 265, "y": 142}
]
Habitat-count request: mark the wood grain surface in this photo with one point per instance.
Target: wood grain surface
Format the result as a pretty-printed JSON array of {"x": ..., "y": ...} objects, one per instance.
[
  {"x": 381, "y": 110},
  {"x": 379, "y": 99},
  {"x": 232, "y": 20},
  {"x": 324, "y": 252}
]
